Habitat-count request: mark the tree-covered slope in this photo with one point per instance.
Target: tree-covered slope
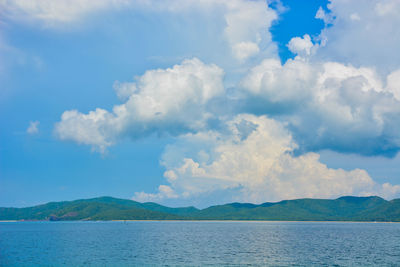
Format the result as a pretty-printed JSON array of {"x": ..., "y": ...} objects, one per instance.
[
  {"x": 108, "y": 208},
  {"x": 341, "y": 209},
  {"x": 103, "y": 208}
]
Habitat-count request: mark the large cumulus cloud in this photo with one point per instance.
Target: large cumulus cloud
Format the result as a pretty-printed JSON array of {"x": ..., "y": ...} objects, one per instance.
[
  {"x": 254, "y": 156},
  {"x": 172, "y": 100},
  {"x": 329, "y": 105}
]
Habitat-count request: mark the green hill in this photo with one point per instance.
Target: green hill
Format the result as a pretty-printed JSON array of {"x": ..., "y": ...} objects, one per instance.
[
  {"x": 341, "y": 209},
  {"x": 102, "y": 208},
  {"x": 107, "y": 208}
]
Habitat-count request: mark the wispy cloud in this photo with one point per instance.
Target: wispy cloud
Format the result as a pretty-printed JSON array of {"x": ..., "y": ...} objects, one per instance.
[{"x": 33, "y": 127}]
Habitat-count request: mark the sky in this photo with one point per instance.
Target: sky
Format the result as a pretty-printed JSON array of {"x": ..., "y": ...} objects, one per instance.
[{"x": 185, "y": 102}]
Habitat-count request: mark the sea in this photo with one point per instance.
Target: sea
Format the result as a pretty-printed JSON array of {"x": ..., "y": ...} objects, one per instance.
[{"x": 199, "y": 243}]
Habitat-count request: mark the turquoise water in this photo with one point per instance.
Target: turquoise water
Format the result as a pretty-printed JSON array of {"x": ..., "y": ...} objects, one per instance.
[{"x": 199, "y": 244}]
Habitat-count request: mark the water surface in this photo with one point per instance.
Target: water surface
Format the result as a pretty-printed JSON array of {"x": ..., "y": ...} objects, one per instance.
[{"x": 187, "y": 243}]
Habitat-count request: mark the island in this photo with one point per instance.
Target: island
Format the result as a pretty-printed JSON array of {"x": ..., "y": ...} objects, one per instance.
[{"x": 347, "y": 208}]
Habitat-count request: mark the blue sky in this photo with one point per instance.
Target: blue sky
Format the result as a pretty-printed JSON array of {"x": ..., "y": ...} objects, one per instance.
[{"x": 166, "y": 102}]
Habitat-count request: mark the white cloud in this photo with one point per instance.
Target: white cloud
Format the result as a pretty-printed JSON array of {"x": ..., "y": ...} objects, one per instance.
[
  {"x": 254, "y": 156},
  {"x": 172, "y": 100},
  {"x": 393, "y": 83},
  {"x": 164, "y": 191},
  {"x": 33, "y": 127},
  {"x": 98, "y": 128},
  {"x": 355, "y": 17},
  {"x": 301, "y": 46},
  {"x": 330, "y": 105},
  {"x": 248, "y": 24},
  {"x": 276, "y": 83},
  {"x": 326, "y": 17},
  {"x": 124, "y": 90},
  {"x": 244, "y": 50},
  {"x": 363, "y": 33}
]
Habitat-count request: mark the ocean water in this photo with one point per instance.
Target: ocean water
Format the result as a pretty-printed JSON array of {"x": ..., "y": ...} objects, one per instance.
[{"x": 168, "y": 243}]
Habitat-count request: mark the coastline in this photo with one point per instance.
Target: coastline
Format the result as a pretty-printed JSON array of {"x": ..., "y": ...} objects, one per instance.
[{"x": 277, "y": 221}]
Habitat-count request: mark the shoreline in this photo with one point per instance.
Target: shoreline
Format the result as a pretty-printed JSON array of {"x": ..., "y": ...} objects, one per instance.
[{"x": 278, "y": 221}]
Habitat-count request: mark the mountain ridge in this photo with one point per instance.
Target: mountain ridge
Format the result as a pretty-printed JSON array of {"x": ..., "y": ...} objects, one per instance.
[{"x": 346, "y": 208}]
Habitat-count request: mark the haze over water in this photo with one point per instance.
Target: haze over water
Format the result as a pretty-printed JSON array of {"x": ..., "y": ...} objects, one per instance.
[{"x": 170, "y": 243}]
